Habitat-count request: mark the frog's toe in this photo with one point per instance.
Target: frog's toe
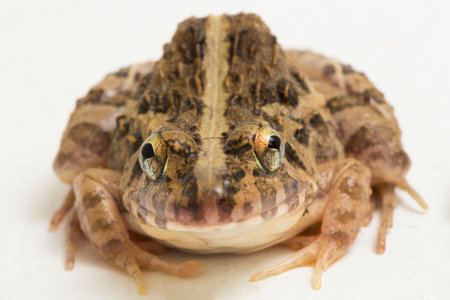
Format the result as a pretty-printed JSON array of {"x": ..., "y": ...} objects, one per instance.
[
  {"x": 388, "y": 201},
  {"x": 404, "y": 185},
  {"x": 71, "y": 241},
  {"x": 131, "y": 259},
  {"x": 126, "y": 261},
  {"x": 321, "y": 254},
  {"x": 59, "y": 215},
  {"x": 152, "y": 262},
  {"x": 301, "y": 258}
]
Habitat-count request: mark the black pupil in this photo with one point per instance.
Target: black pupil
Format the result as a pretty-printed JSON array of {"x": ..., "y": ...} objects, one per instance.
[
  {"x": 147, "y": 151},
  {"x": 274, "y": 142}
]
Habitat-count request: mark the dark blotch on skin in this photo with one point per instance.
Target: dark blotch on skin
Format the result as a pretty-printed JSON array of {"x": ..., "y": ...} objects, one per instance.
[
  {"x": 341, "y": 237},
  {"x": 237, "y": 174},
  {"x": 373, "y": 95},
  {"x": 401, "y": 159},
  {"x": 122, "y": 125},
  {"x": 340, "y": 103},
  {"x": 239, "y": 150},
  {"x": 102, "y": 224},
  {"x": 291, "y": 188},
  {"x": 122, "y": 72},
  {"x": 318, "y": 123},
  {"x": 301, "y": 135},
  {"x": 159, "y": 102},
  {"x": 144, "y": 106},
  {"x": 193, "y": 103},
  {"x": 247, "y": 208},
  {"x": 135, "y": 172},
  {"x": 184, "y": 151},
  {"x": 345, "y": 216},
  {"x": 110, "y": 245},
  {"x": 134, "y": 141},
  {"x": 190, "y": 191},
  {"x": 302, "y": 83},
  {"x": 360, "y": 140},
  {"x": 225, "y": 206},
  {"x": 293, "y": 157},
  {"x": 292, "y": 96},
  {"x": 274, "y": 122},
  {"x": 347, "y": 69},
  {"x": 90, "y": 200},
  {"x": 316, "y": 120},
  {"x": 328, "y": 70},
  {"x": 268, "y": 199},
  {"x": 93, "y": 97},
  {"x": 193, "y": 42},
  {"x": 90, "y": 136}
]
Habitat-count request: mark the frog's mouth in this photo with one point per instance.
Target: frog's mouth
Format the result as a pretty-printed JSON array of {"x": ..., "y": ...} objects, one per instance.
[
  {"x": 207, "y": 229},
  {"x": 199, "y": 204}
]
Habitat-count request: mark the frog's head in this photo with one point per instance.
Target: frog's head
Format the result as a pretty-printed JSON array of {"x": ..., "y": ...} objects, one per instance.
[
  {"x": 216, "y": 180},
  {"x": 218, "y": 160}
]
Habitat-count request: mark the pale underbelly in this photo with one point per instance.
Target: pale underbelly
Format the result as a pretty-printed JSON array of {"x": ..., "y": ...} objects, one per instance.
[{"x": 242, "y": 237}]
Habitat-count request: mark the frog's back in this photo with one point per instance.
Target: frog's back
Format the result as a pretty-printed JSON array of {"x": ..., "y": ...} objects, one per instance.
[{"x": 253, "y": 79}]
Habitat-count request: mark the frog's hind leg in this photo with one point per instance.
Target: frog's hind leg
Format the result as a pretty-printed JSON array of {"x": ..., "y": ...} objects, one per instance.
[
  {"x": 96, "y": 191},
  {"x": 346, "y": 208},
  {"x": 367, "y": 125}
]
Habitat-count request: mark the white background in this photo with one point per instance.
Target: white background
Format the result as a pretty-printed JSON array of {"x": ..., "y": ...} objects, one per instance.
[{"x": 51, "y": 52}]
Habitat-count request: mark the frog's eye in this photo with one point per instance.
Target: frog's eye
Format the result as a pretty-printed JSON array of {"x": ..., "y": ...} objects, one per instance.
[
  {"x": 153, "y": 156},
  {"x": 269, "y": 149}
]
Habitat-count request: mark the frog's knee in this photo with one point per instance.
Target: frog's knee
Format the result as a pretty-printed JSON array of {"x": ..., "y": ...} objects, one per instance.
[
  {"x": 85, "y": 142},
  {"x": 379, "y": 147}
]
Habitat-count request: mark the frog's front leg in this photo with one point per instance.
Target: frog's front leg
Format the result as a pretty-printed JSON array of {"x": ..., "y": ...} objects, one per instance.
[
  {"x": 346, "y": 185},
  {"x": 95, "y": 193}
]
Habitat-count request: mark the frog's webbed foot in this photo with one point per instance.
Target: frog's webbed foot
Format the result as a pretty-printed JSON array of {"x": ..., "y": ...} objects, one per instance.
[
  {"x": 346, "y": 210},
  {"x": 130, "y": 258},
  {"x": 106, "y": 230},
  {"x": 322, "y": 253},
  {"x": 388, "y": 202}
]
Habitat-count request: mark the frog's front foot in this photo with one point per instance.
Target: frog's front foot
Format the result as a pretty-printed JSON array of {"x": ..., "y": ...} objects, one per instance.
[
  {"x": 323, "y": 251},
  {"x": 346, "y": 211},
  {"x": 130, "y": 258},
  {"x": 97, "y": 215},
  {"x": 385, "y": 192}
]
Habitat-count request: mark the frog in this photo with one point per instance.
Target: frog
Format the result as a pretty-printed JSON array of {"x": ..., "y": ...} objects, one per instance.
[{"x": 229, "y": 144}]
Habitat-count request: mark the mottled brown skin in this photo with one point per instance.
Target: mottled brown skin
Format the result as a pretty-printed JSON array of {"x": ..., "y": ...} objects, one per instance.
[{"x": 225, "y": 128}]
